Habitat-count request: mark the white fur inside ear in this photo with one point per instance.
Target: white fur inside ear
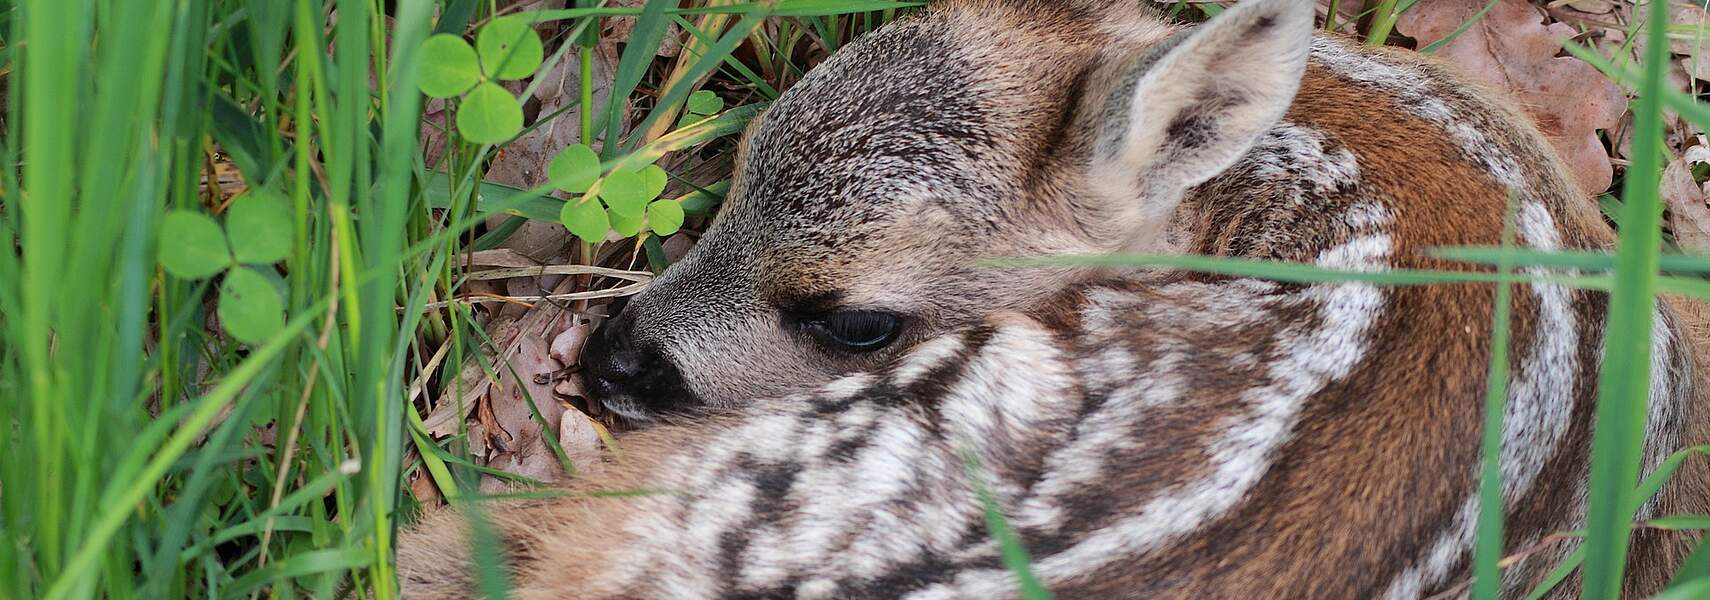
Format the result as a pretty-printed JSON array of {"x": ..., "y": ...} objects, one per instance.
[{"x": 1179, "y": 119}]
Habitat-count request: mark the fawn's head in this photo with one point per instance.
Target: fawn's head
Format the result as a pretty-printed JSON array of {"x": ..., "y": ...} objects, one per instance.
[{"x": 865, "y": 197}]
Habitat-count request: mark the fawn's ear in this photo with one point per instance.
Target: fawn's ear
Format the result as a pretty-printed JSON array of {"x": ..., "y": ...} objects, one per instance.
[{"x": 1180, "y": 114}]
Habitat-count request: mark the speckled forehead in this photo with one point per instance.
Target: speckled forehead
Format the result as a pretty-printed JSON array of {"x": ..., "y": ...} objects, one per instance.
[{"x": 897, "y": 117}]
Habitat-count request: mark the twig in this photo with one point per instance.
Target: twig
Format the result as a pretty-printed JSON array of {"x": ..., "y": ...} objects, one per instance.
[
  {"x": 510, "y": 272},
  {"x": 590, "y": 295},
  {"x": 291, "y": 435}
]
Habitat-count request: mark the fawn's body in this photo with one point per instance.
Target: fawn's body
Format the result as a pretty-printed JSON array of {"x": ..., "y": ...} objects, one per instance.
[{"x": 1155, "y": 434}]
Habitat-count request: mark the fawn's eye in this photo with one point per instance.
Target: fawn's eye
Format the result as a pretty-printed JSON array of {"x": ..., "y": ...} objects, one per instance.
[{"x": 854, "y": 330}]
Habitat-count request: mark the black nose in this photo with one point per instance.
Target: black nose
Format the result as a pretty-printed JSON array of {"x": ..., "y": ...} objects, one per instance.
[
  {"x": 630, "y": 377},
  {"x": 612, "y": 358}
]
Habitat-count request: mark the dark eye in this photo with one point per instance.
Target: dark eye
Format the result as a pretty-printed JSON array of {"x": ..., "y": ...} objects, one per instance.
[{"x": 854, "y": 330}]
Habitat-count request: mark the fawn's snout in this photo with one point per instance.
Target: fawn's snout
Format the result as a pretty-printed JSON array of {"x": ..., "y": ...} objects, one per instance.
[{"x": 630, "y": 377}]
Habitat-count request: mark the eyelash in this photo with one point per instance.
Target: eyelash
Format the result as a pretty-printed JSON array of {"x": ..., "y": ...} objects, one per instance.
[{"x": 854, "y": 330}]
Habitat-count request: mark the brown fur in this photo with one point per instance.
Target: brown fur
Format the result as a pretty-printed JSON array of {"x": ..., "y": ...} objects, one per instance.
[{"x": 1382, "y": 457}]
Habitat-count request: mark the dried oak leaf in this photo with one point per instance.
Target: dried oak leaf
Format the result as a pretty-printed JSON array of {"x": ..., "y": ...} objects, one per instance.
[
  {"x": 1687, "y": 34},
  {"x": 473, "y": 384},
  {"x": 1594, "y": 7},
  {"x": 580, "y": 439},
  {"x": 1689, "y": 215},
  {"x": 1513, "y": 49}
]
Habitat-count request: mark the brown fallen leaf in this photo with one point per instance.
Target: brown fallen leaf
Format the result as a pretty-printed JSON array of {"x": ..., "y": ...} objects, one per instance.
[
  {"x": 1687, "y": 35},
  {"x": 423, "y": 489},
  {"x": 496, "y": 435},
  {"x": 580, "y": 440},
  {"x": 1513, "y": 49},
  {"x": 1689, "y": 215},
  {"x": 1595, "y": 7},
  {"x": 677, "y": 246},
  {"x": 568, "y": 344},
  {"x": 618, "y": 29},
  {"x": 498, "y": 257},
  {"x": 570, "y": 387},
  {"x": 472, "y": 381},
  {"x": 1700, "y": 150}
]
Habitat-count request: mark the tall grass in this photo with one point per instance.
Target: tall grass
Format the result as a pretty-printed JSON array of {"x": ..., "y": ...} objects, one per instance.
[
  {"x": 1624, "y": 382},
  {"x": 146, "y": 454},
  {"x": 135, "y": 465}
]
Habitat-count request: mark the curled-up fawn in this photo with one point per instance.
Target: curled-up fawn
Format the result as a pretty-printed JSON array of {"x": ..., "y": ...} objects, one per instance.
[{"x": 848, "y": 375}]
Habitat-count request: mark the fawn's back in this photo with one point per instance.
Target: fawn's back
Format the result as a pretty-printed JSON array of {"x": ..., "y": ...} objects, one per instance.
[{"x": 866, "y": 393}]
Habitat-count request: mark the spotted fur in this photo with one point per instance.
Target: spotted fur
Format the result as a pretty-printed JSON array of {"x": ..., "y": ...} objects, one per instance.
[{"x": 1146, "y": 434}]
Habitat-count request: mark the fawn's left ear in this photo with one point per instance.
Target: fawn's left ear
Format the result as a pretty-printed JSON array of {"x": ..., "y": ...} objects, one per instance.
[{"x": 1182, "y": 113}]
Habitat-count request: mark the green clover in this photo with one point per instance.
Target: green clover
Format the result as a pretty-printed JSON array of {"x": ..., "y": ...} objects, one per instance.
[
  {"x": 703, "y": 104},
  {"x": 257, "y": 234},
  {"x": 505, "y": 48},
  {"x": 624, "y": 201}
]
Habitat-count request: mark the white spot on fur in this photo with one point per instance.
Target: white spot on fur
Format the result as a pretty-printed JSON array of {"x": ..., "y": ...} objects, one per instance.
[
  {"x": 1106, "y": 431},
  {"x": 780, "y": 434},
  {"x": 1535, "y": 418},
  {"x": 1416, "y": 93},
  {"x": 888, "y": 465},
  {"x": 844, "y": 387},
  {"x": 904, "y": 494},
  {"x": 1297, "y": 154},
  {"x": 712, "y": 516},
  {"x": 1540, "y": 403},
  {"x": 992, "y": 401},
  {"x": 1671, "y": 385},
  {"x": 1241, "y": 456},
  {"x": 924, "y": 357},
  {"x": 1366, "y": 216}
]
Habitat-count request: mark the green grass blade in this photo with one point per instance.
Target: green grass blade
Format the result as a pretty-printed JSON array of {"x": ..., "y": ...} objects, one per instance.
[
  {"x": 1564, "y": 259},
  {"x": 134, "y": 488},
  {"x": 1696, "y": 568},
  {"x": 1689, "y": 591},
  {"x": 1624, "y": 382},
  {"x": 1487, "y": 550},
  {"x": 1014, "y": 555},
  {"x": 1557, "y": 575},
  {"x": 643, "y": 44},
  {"x": 1260, "y": 269},
  {"x": 706, "y": 63},
  {"x": 1433, "y": 47}
]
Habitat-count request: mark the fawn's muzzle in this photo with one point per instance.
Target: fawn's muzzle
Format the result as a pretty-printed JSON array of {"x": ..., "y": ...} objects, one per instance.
[{"x": 629, "y": 378}]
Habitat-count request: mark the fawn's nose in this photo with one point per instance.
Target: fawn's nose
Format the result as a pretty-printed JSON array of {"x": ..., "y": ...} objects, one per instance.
[
  {"x": 628, "y": 375},
  {"x": 611, "y": 358}
]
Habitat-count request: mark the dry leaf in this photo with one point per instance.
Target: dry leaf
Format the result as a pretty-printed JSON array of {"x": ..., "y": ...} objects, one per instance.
[
  {"x": 1699, "y": 152},
  {"x": 514, "y": 432},
  {"x": 618, "y": 29},
  {"x": 1689, "y": 216},
  {"x": 1595, "y": 7},
  {"x": 498, "y": 257},
  {"x": 1686, "y": 21},
  {"x": 677, "y": 246},
  {"x": 1512, "y": 49},
  {"x": 570, "y": 387},
  {"x": 579, "y": 439},
  {"x": 473, "y": 382},
  {"x": 523, "y": 161},
  {"x": 568, "y": 345},
  {"x": 423, "y": 489},
  {"x": 1676, "y": 132}
]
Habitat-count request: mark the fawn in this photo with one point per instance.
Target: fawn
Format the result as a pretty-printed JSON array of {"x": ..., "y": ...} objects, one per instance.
[{"x": 854, "y": 377}]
